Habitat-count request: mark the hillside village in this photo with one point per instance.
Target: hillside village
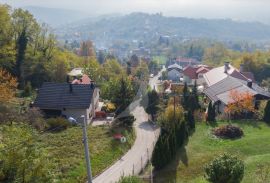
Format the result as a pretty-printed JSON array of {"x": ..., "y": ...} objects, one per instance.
[{"x": 189, "y": 110}]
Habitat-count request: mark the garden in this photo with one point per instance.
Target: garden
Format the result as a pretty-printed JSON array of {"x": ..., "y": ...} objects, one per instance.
[{"x": 204, "y": 146}]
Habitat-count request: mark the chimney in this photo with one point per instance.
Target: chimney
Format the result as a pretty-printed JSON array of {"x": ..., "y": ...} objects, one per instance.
[
  {"x": 241, "y": 68},
  {"x": 70, "y": 88},
  {"x": 226, "y": 67},
  {"x": 249, "y": 83}
]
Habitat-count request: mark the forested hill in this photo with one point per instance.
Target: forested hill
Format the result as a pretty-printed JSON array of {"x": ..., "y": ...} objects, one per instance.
[{"x": 143, "y": 26}]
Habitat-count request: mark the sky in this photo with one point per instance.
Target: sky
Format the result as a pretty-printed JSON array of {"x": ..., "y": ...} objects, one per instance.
[{"x": 247, "y": 10}]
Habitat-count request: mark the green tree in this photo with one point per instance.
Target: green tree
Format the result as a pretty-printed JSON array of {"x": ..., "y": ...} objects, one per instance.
[
  {"x": 153, "y": 102},
  {"x": 211, "y": 113},
  {"x": 225, "y": 168},
  {"x": 186, "y": 95},
  {"x": 266, "y": 116},
  {"x": 24, "y": 25},
  {"x": 27, "y": 164},
  {"x": 190, "y": 119}
]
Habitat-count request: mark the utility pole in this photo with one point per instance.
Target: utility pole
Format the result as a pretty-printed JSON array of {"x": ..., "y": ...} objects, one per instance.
[{"x": 86, "y": 151}]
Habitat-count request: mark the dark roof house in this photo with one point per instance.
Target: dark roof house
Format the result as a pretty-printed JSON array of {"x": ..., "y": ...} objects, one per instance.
[{"x": 69, "y": 100}]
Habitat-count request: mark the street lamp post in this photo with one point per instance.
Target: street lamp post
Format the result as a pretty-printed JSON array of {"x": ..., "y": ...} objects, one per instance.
[{"x": 86, "y": 149}]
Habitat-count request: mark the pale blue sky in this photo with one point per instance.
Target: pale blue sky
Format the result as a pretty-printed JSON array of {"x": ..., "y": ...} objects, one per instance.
[{"x": 253, "y": 10}]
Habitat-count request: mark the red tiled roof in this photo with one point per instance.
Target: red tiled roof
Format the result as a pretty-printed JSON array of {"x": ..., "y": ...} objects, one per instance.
[
  {"x": 193, "y": 71},
  {"x": 84, "y": 80},
  {"x": 190, "y": 72}
]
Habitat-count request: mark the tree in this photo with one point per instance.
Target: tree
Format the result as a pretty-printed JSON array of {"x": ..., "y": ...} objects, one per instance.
[
  {"x": 240, "y": 103},
  {"x": 22, "y": 164},
  {"x": 266, "y": 116},
  {"x": 185, "y": 96},
  {"x": 101, "y": 57},
  {"x": 24, "y": 26},
  {"x": 225, "y": 168},
  {"x": 190, "y": 119},
  {"x": 153, "y": 102},
  {"x": 135, "y": 61},
  {"x": 8, "y": 85},
  {"x": 196, "y": 104},
  {"x": 124, "y": 95},
  {"x": 211, "y": 113}
]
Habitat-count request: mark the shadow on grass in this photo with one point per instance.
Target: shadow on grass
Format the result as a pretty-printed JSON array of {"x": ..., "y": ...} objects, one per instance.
[
  {"x": 252, "y": 123},
  {"x": 169, "y": 173}
]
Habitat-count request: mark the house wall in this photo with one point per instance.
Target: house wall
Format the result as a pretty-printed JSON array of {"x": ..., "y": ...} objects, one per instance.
[
  {"x": 174, "y": 75},
  {"x": 77, "y": 113}
]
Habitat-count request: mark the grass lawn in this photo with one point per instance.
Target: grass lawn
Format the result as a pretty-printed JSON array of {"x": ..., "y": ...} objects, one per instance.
[
  {"x": 253, "y": 148},
  {"x": 160, "y": 60},
  {"x": 66, "y": 152}
]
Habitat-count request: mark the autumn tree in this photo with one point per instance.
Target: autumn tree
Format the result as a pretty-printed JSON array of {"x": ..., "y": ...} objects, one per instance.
[
  {"x": 8, "y": 85},
  {"x": 240, "y": 103}
]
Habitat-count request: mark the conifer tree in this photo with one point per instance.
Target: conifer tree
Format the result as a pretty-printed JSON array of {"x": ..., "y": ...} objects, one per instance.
[
  {"x": 266, "y": 116},
  {"x": 185, "y": 96},
  {"x": 211, "y": 113}
]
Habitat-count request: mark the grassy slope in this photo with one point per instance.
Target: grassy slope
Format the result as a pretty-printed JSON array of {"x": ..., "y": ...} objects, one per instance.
[
  {"x": 66, "y": 152},
  {"x": 253, "y": 148}
]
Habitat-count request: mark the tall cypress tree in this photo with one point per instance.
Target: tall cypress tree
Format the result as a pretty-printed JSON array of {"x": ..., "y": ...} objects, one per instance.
[
  {"x": 21, "y": 48},
  {"x": 195, "y": 96},
  {"x": 266, "y": 116},
  {"x": 211, "y": 113},
  {"x": 190, "y": 119},
  {"x": 153, "y": 102},
  {"x": 185, "y": 96}
]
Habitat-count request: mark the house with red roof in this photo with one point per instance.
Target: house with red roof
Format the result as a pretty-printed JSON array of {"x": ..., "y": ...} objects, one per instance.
[{"x": 196, "y": 72}]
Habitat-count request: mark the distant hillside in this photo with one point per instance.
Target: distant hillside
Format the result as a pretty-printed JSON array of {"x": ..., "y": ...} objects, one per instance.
[
  {"x": 141, "y": 26},
  {"x": 55, "y": 17}
]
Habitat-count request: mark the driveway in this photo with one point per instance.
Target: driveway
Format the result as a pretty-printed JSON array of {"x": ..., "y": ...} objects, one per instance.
[{"x": 133, "y": 162}]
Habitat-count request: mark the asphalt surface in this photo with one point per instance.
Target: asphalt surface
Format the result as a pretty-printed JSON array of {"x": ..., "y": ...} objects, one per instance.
[{"x": 133, "y": 162}]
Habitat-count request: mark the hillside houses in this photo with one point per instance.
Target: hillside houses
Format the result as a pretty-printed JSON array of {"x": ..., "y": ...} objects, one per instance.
[{"x": 221, "y": 81}]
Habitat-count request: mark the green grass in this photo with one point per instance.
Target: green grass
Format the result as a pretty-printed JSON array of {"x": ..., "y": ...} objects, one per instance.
[
  {"x": 160, "y": 60},
  {"x": 253, "y": 148},
  {"x": 66, "y": 152}
]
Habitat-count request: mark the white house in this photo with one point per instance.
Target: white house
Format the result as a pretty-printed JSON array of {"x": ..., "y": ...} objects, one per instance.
[
  {"x": 68, "y": 100},
  {"x": 175, "y": 72}
]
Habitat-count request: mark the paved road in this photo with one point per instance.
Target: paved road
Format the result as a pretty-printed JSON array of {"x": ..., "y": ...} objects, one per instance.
[
  {"x": 138, "y": 156},
  {"x": 154, "y": 81}
]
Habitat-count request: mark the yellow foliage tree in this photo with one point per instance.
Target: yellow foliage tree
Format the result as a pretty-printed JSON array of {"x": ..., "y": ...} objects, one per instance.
[
  {"x": 241, "y": 102},
  {"x": 8, "y": 85}
]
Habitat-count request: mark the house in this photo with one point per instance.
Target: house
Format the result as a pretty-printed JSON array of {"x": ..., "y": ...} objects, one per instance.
[
  {"x": 217, "y": 74},
  {"x": 220, "y": 92},
  {"x": 195, "y": 73},
  {"x": 175, "y": 72},
  {"x": 68, "y": 100}
]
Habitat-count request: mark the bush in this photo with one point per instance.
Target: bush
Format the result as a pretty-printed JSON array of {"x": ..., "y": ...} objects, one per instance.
[
  {"x": 225, "y": 169},
  {"x": 109, "y": 107},
  {"x": 58, "y": 124},
  {"x": 27, "y": 92},
  {"x": 126, "y": 121},
  {"x": 130, "y": 179},
  {"x": 228, "y": 132},
  {"x": 35, "y": 118}
]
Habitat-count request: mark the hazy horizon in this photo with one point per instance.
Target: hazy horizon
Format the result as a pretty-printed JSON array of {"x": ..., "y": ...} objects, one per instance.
[{"x": 244, "y": 10}]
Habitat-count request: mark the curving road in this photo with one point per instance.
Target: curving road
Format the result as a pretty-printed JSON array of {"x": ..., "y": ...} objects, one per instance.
[{"x": 133, "y": 162}]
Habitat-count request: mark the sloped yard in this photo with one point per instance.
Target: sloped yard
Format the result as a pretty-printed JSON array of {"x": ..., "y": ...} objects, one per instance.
[{"x": 253, "y": 148}]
